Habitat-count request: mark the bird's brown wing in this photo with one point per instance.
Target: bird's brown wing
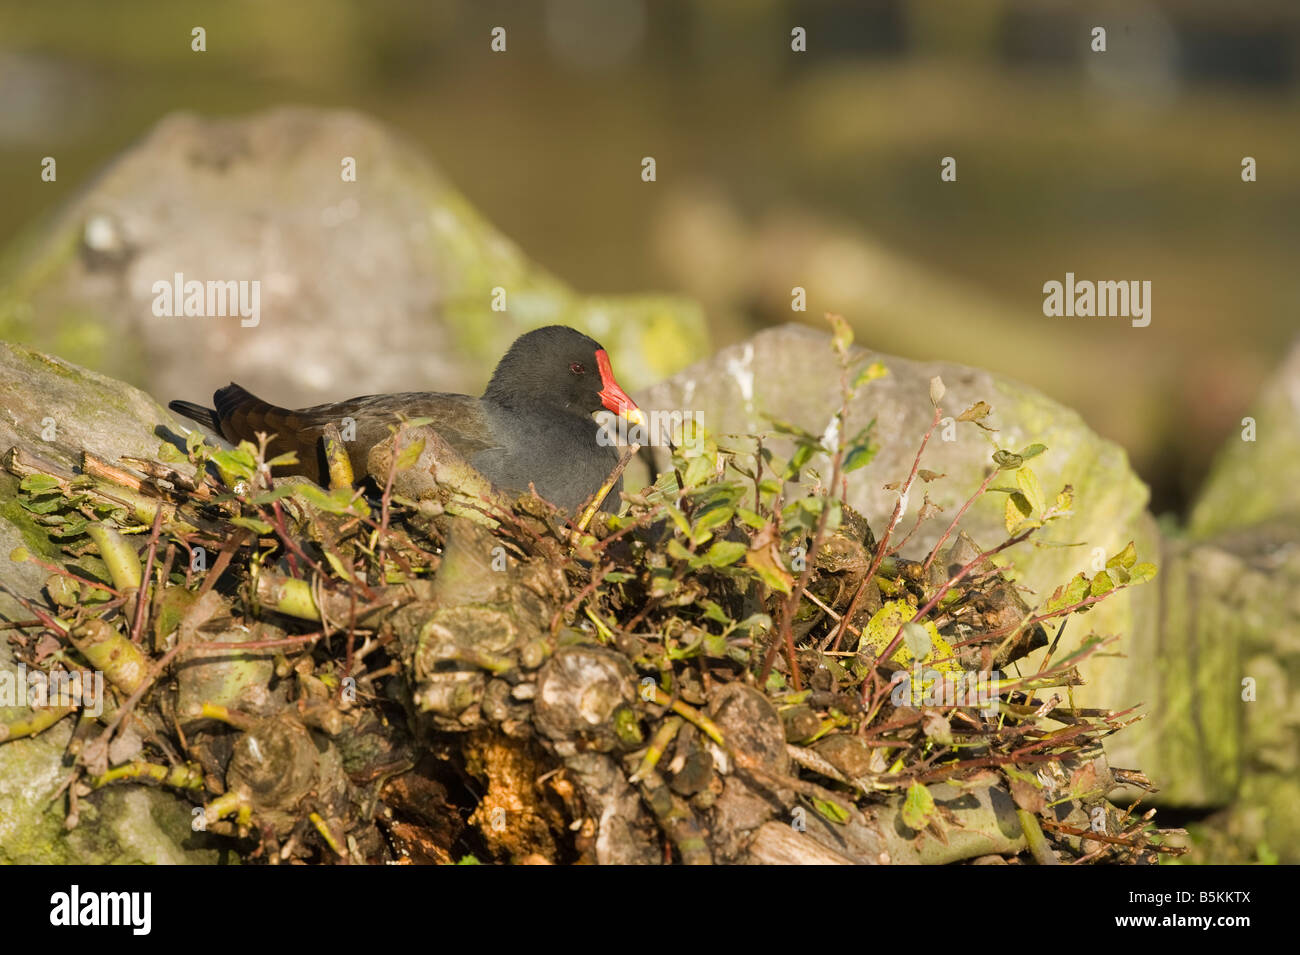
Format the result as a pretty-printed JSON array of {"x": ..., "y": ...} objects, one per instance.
[{"x": 459, "y": 419}]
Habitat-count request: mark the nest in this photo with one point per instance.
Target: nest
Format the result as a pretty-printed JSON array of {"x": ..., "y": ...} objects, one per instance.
[{"x": 733, "y": 669}]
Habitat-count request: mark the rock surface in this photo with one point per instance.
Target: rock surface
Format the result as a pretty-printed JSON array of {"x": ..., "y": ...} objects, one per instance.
[
  {"x": 53, "y": 409},
  {"x": 1243, "y": 593},
  {"x": 1253, "y": 478},
  {"x": 382, "y": 284}
]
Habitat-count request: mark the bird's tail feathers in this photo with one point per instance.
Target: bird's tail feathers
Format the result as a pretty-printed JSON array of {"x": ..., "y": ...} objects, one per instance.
[{"x": 204, "y": 416}]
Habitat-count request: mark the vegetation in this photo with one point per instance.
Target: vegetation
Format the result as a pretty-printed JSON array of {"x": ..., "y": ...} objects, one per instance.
[{"x": 415, "y": 669}]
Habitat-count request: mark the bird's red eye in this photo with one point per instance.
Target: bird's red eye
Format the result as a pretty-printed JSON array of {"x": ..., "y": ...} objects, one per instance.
[{"x": 577, "y": 368}]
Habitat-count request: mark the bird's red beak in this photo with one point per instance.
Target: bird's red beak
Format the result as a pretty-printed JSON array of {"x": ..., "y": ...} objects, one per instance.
[{"x": 612, "y": 396}]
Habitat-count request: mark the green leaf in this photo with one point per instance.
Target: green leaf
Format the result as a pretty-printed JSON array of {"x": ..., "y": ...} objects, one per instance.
[
  {"x": 36, "y": 483},
  {"x": 755, "y": 621},
  {"x": 275, "y": 494},
  {"x": 870, "y": 373},
  {"x": 721, "y": 494},
  {"x": 860, "y": 455},
  {"x": 831, "y": 811},
  {"x": 711, "y": 518},
  {"x": 712, "y": 611},
  {"x": 337, "y": 501},
  {"x": 917, "y": 639},
  {"x": 678, "y": 519},
  {"x": 694, "y": 441},
  {"x": 45, "y": 505},
  {"x": 785, "y": 427},
  {"x": 1125, "y": 558},
  {"x": 339, "y": 567},
  {"x": 1142, "y": 572},
  {"x": 1068, "y": 596},
  {"x": 677, "y": 550},
  {"x": 236, "y": 464},
  {"x": 71, "y": 529},
  {"x": 769, "y": 569},
  {"x": 1016, "y": 774},
  {"x": 1101, "y": 584},
  {"x": 1006, "y": 460},
  {"x": 725, "y": 553},
  {"x": 841, "y": 332},
  {"x": 252, "y": 524},
  {"x": 1027, "y": 481},
  {"x": 170, "y": 454},
  {"x": 802, "y": 455},
  {"x": 1032, "y": 451},
  {"x": 801, "y": 514},
  {"x": 1022, "y": 503},
  {"x": 662, "y": 583},
  {"x": 410, "y": 454},
  {"x": 715, "y": 645},
  {"x": 283, "y": 460},
  {"x": 918, "y": 807}
]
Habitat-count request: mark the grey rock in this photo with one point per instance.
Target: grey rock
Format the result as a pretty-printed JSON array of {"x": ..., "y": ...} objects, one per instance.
[{"x": 381, "y": 284}]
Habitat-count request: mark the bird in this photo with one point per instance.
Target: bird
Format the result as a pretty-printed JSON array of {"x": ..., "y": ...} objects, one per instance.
[{"x": 533, "y": 424}]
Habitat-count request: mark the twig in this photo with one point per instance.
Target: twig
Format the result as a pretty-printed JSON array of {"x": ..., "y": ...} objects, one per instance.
[
  {"x": 934, "y": 552},
  {"x": 232, "y": 544},
  {"x": 124, "y": 710},
  {"x": 888, "y": 652},
  {"x": 1038, "y": 846},
  {"x": 141, "y": 602},
  {"x": 883, "y": 547},
  {"x": 692, "y": 716},
  {"x": 605, "y": 488}
]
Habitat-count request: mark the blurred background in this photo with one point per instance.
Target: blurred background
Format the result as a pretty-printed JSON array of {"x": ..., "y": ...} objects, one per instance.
[{"x": 776, "y": 168}]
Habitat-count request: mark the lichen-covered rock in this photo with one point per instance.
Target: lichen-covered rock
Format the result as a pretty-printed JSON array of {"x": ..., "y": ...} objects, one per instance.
[
  {"x": 54, "y": 409},
  {"x": 385, "y": 283},
  {"x": 1253, "y": 480},
  {"x": 1238, "y": 598},
  {"x": 126, "y": 826}
]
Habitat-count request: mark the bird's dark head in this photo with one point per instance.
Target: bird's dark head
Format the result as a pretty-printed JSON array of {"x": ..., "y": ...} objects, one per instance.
[{"x": 558, "y": 365}]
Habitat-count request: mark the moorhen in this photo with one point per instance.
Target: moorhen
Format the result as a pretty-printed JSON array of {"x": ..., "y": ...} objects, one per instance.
[{"x": 533, "y": 424}]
